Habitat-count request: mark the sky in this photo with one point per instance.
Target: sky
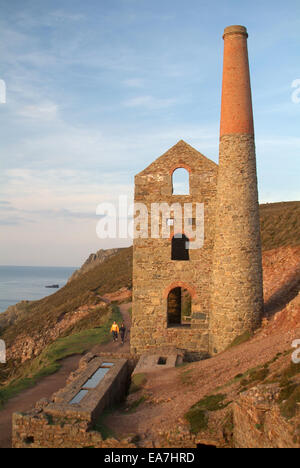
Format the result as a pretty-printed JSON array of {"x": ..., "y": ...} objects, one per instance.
[{"x": 96, "y": 90}]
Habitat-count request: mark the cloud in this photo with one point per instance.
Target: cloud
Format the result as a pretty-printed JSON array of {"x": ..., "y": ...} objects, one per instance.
[
  {"x": 150, "y": 102},
  {"x": 19, "y": 216},
  {"x": 42, "y": 111},
  {"x": 14, "y": 221},
  {"x": 9, "y": 222},
  {"x": 63, "y": 213},
  {"x": 134, "y": 83}
]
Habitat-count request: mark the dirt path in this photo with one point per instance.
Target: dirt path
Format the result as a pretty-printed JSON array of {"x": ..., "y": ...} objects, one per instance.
[
  {"x": 51, "y": 384},
  {"x": 25, "y": 400},
  {"x": 112, "y": 347}
]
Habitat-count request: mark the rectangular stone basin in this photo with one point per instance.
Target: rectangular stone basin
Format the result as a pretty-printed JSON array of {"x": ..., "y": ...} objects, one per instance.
[{"x": 100, "y": 385}]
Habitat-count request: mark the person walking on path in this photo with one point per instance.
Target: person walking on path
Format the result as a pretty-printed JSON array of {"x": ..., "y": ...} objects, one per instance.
[
  {"x": 115, "y": 331},
  {"x": 122, "y": 333}
]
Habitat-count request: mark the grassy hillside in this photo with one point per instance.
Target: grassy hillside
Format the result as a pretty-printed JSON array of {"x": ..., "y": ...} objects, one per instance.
[
  {"x": 280, "y": 224},
  {"x": 81, "y": 339},
  {"x": 112, "y": 275}
]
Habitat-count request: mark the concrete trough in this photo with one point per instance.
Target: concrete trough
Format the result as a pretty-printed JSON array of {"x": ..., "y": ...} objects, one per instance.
[{"x": 99, "y": 386}]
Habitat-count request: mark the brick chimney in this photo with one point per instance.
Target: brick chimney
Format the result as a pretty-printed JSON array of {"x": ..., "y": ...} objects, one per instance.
[{"x": 237, "y": 294}]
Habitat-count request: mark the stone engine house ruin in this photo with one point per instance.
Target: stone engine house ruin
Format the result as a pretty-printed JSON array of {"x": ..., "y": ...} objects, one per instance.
[
  {"x": 200, "y": 300},
  {"x": 168, "y": 278}
]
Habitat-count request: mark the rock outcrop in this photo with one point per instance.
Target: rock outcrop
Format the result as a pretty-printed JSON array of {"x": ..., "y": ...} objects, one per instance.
[
  {"x": 12, "y": 314},
  {"x": 258, "y": 422},
  {"x": 94, "y": 260}
]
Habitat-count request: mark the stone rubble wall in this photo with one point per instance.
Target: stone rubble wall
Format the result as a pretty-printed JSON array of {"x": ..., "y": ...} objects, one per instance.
[{"x": 39, "y": 430}]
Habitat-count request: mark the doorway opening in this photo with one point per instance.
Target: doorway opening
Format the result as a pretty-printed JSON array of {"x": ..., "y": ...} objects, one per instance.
[{"x": 179, "y": 308}]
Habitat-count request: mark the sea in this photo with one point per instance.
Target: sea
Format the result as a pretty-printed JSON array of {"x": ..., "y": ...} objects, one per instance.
[{"x": 20, "y": 283}]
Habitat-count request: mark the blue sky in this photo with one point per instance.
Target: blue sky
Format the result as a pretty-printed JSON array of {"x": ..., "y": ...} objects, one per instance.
[{"x": 96, "y": 90}]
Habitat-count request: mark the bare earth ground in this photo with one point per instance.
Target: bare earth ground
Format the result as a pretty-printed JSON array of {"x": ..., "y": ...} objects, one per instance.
[
  {"x": 51, "y": 384},
  {"x": 171, "y": 394}
]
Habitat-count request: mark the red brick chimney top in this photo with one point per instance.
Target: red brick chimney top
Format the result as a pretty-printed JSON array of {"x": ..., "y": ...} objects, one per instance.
[
  {"x": 236, "y": 109},
  {"x": 235, "y": 30}
]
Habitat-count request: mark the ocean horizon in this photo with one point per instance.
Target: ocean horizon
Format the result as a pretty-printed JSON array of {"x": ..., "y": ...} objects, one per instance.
[{"x": 28, "y": 283}]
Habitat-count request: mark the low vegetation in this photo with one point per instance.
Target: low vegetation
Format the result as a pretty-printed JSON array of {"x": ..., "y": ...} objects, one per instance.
[
  {"x": 280, "y": 226},
  {"x": 137, "y": 382},
  {"x": 289, "y": 398},
  {"x": 276, "y": 371},
  {"x": 48, "y": 362},
  {"x": 134, "y": 405},
  {"x": 112, "y": 275},
  {"x": 198, "y": 415},
  {"x": 241, "y": 339},
  {"x": 101, "y": 426}
]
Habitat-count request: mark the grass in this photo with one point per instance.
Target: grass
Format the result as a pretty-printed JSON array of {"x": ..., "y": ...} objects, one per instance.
[
  {"x": 137, "y": 382},
  {"x": 198, "y": 414},
  {"x": 241, "y": 339},
  {"x": 289, "y": 397},
  {"x": 101, "y": 427},
  {"x": 39, "y": 316},
  {"x": 187, "y": 378},
  {"x": 134, "y": 406},
  {"x": 48, "y": 362},
  {"x": 255, "y": 376},
  {"x": 291, "y": 371},
  {"x": 280, "y": 226},
  {"x": 288, "y": 407}
]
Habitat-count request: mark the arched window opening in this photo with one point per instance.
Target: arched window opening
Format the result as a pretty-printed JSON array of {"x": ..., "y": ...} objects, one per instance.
[
  {"x": 179, "y": 308},
  {"x": 180, "y": 248},
  {"x": 181, "y": 182}
]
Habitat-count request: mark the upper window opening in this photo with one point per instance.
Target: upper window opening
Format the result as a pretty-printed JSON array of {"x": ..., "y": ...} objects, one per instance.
[
  {"x": 180, "y": 247},
  {"x": 181, "y": 182}
]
